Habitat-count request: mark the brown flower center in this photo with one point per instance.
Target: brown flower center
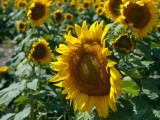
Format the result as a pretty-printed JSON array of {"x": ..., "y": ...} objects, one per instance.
[
  {"x": 136, "y": 14},
  {"x": 21, "y": 26},
  {"x": 123, "y": 42},
  {"x": 58, "y": 16},
  {"x": 38, "y": 11},
  {"x": 89, "y": 72},
  {"x": 115, "y": 6},
  {"x": 39, "y": 52}
]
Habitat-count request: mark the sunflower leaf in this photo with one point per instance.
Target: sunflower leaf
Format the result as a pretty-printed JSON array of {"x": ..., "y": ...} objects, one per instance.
[{"x": 129, "y": 87}]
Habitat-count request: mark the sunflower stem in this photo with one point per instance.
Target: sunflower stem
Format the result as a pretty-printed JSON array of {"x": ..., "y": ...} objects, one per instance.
[{"x": 32, "y": 109}]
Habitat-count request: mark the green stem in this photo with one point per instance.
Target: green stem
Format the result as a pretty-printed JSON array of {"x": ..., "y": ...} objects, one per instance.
[{"x": 32, "y": 110}]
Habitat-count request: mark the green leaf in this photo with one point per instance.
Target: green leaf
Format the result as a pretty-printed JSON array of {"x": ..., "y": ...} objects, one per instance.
[
  {"x": 24, "y": 113},
  {"x": 150, "y": 87},
  {"x": 129, "y": 87},
  {"x": 8, "y": 116},
  {"x": 131, "y": 71},
  {"x": 21, "y": 99},
  {"x": 33, "y": 84}
]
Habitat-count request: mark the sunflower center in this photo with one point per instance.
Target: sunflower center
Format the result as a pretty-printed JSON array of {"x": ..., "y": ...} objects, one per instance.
[
  {"x": 89, "y": 70},
  {"x": 123, "y": 42},
  {"x": 58, "y": 16},
  {"x": 39, "y": 52},
  {"x": 21, "y": 26},
  {"x": 115, "y": 6},
  {"x": 38, "y": 11},
  {"x": 68, "y": 17},
  {"x": 138, "y": 15}
]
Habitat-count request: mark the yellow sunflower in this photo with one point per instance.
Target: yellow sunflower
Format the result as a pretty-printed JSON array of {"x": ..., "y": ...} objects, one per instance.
[
  {"x": 3, "y": 69},
  {"x": 58, "y": 16},
  {"x": 41, "y": 52},
  {"x": 86, "y": 4},
  {"x": 80, "y": 7},
  {"x": 38, "y": 12},
  {"x": 5, "y": 4},
  {"x": 99, "y": 11},
  {"x": 140, "y": 16},
  {"x": 158, "y": 28},
  {"x": 112, "y": 8},
  {"x": 68, "y": 17},
  {"x": 70, "y": 28},
  {"x": 59, "y": 3},
  {"x": 124, "y": 42},
  {"x": 21, "y": 26},
  {"x": 95, "y": 5},
  {"x": 85, "y": 71}
]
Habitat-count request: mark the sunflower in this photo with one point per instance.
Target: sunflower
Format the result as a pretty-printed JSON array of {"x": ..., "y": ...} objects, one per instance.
[
  {"x": 158, "y": 28},
  {"x": 140, "y": 16},
  {"x": 124, "y": 42},
  {"x": 68, "y": 17},
  {"x": 80, "y": 7},
  {"x": 112, "y": 8},
  {"x": 21, "y": 26},
  {"x": 58, "y": 16},
  {"x": 70, "y": 28},
  {"x": 86, "y": 4},
  {"x": 41, "y": 52},
  {"x": 59, "y": 3},
  {"x": 20, "y": 3},
  {"x": 99, "y": 11},
  {"x": 3, "y": 69},
  {"x": 38, "y": 12},
  {"x": 95, "y": 5},
  {"x": 85, "y": 71},
  {"x": 5, "y": 4}
]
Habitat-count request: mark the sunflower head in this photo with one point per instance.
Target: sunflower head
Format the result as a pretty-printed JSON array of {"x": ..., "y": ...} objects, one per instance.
[
  {"x": 86, "y": 4},
  {"x": 58, "y": 16},
  {"x": 99, "y": 11},
  {"x": 124, "y": 43},
  {"x": 41, "y": 52},
  {"x": 80, "y": 7},
  {"x": 3, "y": 69},
  {"x": 85, "y": 71},
  {"x": 59, "y": 3},
  {"x": 140, "y": 16},
  {"x": 38, "y": 12},
  {"x": 21, "y": 26},
  {"x": 112, "y": 8},
  {"x": 70, "y": 28},
  {"x": 5, "y": 4},
  {"x": 95, "y": 5},
  {"x": 68, "y": 17}
]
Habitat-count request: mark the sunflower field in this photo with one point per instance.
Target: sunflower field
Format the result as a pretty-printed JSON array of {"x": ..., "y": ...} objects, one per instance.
[{"x": 79, "y": 59}]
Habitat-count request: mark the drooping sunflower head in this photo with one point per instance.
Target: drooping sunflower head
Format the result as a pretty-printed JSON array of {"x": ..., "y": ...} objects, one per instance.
[
  {"x": 140, "y": 16},
  {"x": 70, "y": 28},
  {"x": 38, "y": 12},
  {"x": 99, "y": 11},
  {"x": 85, "y": 71},
  {"x": 20, "y": 3},
  {"x": 41, "y": 52},
  {"x": 21, "y": 26},
  {"x": 58, "y": 16},
  {"x": 124, "y": 43},
  {"x": 68, "y": 17},
  {"x": 112, "y": 8}
]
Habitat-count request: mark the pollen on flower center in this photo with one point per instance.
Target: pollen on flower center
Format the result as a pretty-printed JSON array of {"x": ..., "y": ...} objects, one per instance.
[{"x": 89, "y": 71}]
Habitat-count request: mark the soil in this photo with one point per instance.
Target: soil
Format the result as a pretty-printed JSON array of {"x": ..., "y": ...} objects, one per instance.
[{"x": 6, "y": 56}]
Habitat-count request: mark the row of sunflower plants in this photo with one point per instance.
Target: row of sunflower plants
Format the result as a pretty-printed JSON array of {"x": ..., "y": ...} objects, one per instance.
[{"x": 80, "y": 60}]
